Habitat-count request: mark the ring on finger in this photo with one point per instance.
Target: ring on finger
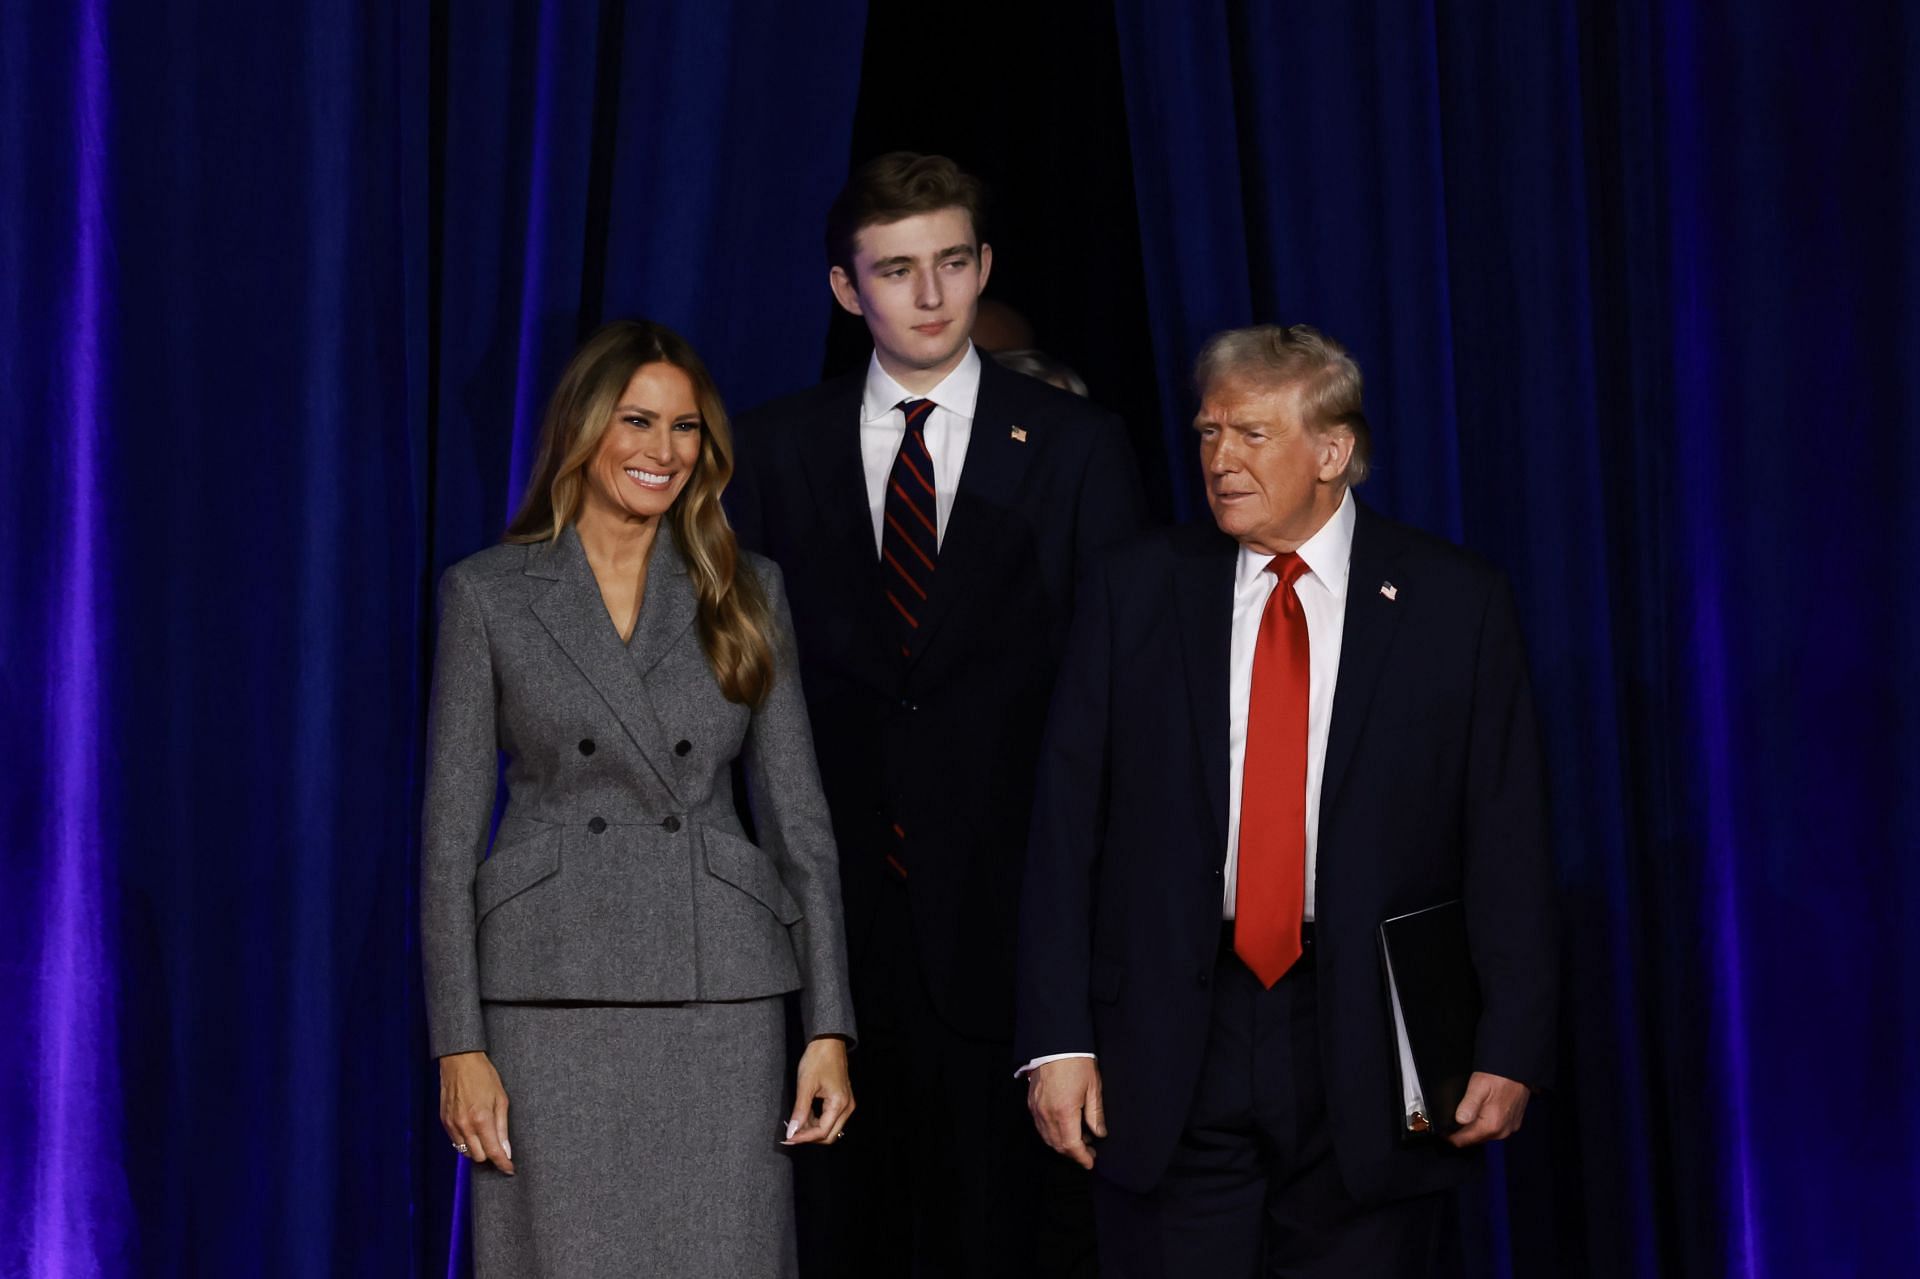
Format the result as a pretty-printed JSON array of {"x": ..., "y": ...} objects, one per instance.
[{"x": 460, "y": 1146}]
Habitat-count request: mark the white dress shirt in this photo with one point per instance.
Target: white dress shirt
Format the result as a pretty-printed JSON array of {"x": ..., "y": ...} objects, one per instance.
[
  {"x": 948, "y": 428},
  {"x": 1322, "y": 591}
]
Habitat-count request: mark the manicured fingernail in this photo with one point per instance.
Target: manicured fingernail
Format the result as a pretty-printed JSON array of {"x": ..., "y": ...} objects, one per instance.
[
  {"x": 508, "y": 1147},
  {"x": 792, "y": 1127}
]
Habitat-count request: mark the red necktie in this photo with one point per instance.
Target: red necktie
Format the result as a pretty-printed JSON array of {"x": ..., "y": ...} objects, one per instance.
[
  {"x": 909, "y": 538},
  {"x": 1271, "y": 890}
]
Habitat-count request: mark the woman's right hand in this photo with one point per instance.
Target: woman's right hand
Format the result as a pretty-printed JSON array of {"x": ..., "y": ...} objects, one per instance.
[{"x": 473, "y": 1109}]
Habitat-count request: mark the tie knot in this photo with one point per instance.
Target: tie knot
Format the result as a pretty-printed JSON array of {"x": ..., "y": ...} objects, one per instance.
[
  {"x": 915, "y": 409},
  {"x": 1289, "y": 568}
]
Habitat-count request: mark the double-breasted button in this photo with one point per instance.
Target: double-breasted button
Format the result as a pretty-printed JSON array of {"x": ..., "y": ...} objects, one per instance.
[
  {"x": 671, "y": 825},
  {"x": 1204, "y": 976},
  {"x": 598, "y": 825},
  {"x": 682, "y": 747},
  {"x": 586, "y": 746}
]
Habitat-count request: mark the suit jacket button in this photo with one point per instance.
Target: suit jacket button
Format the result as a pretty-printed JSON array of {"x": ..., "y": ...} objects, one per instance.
[
  {"x": 672, "y": 825},
  {"x": 586, "y": 746},
  {"x": 598, "y": 825},
  {"x": 1203, "y": 976},
  {"x": 682, "y": 747}
]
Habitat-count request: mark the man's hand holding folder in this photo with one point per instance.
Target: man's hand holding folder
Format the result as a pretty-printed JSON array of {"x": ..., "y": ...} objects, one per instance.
[{"x": 1433, "y": 1001}]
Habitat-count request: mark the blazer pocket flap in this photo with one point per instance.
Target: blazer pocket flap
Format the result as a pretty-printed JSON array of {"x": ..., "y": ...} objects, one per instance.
[
  {"x": 1104, "y": 980},
  {"x": 752, "y": 872},
  {"x": 515, "y": 868}
]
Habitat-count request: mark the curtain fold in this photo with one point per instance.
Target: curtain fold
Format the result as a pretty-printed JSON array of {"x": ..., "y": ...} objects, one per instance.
[{"x": 62, "y": 1191}]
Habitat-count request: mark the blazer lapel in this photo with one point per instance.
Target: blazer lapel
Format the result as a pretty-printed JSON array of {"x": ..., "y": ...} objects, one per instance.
[
  {"x": 1204, "y": 567},
  {"x": 575, "y": 615},
  {"x": 996, "y": 464},
  {"x": 1367, "y": 634},
  {"x": 669, "y": 605}
]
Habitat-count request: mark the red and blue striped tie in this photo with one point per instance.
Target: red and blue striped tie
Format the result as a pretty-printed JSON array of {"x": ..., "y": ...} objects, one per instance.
[{"x": 910, "y": 537}]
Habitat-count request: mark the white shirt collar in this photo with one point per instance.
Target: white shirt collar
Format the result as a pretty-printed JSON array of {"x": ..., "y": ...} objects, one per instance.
[
  {"x": 957, "y": 392},
  {"x": 1328, "y": 553}
]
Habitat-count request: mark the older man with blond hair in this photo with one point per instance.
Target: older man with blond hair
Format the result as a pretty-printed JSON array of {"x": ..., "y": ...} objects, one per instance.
[{"x": 1272, "y": 733}]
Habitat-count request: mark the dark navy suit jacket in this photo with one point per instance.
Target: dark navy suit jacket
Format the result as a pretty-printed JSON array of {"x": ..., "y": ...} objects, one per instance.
[
  {"x": 1432, "y": 791},
  {"x": 942, "y": 742}
]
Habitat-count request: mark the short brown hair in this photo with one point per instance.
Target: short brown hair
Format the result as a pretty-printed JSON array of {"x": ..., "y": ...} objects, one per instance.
[
  {"x": 1295, "y": 355},
  {"x": 899, "y": 185}
]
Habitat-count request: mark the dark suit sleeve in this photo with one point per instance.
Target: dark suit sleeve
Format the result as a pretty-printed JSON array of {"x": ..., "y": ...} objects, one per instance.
[
  {"x": 793, "y": 826},
  {"x": 462, "y": 770},
  {"x": 1063, "y": 848},
  {"x": 1508, "y": 865}
]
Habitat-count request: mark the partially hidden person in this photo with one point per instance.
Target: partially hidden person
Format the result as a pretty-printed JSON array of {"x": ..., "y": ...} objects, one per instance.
[{"x": 932, "y": 513}]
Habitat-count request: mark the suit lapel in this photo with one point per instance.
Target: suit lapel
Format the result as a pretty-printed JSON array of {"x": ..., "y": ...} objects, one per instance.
[
  {"x": 575, "y": 615},
  {"x": 836, "y": 475},
  {"x": 1204, "y": 565},
  {"x": 1367, "y": 635},
  {"x": 989, "y": 481}
]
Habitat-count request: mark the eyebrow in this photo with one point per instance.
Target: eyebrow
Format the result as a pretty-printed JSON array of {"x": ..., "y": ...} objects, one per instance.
[
  {"x": 644, "y": 412},
  {"x": 902, "y": 259}
]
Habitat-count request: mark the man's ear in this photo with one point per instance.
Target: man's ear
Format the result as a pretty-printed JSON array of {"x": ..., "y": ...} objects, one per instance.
[
  {"x": 1336, "y": 450},
  {"x": 843, "y": 291},
  {"x": 986, "y": 265}
]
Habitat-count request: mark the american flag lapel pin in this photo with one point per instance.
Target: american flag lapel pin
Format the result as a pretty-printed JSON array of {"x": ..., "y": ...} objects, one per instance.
[
  {"x": 1389, "y": 590},
  {"x": 1019, "y": 434}
]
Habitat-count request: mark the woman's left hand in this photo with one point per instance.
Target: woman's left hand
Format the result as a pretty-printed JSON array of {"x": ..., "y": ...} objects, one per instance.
[{"x": 823, "y": 1076}]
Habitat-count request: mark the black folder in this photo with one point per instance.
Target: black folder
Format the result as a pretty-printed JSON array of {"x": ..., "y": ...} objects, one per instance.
[{"x": 1431, "y": 984}]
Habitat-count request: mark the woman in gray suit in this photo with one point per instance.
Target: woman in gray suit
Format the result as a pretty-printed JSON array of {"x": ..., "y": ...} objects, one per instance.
[{"x": 614, "y": 968}]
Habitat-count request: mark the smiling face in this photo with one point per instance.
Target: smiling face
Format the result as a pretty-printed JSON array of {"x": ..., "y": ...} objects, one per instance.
[
  {"x": 1272, "y": 481},
  {"x": 649, "y": 448},
  {"x": 916, "y": 283}
]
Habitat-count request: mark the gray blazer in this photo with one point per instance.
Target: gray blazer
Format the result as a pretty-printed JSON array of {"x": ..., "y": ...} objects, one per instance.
[{"x": 620, "y": 872}]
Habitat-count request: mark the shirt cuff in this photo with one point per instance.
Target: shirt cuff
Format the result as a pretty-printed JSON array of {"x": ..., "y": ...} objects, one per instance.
[{"x": 1038, "y": 1062}]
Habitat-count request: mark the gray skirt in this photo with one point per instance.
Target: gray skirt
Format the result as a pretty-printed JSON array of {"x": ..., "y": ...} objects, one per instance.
[{"x": 645, "y": 1142}]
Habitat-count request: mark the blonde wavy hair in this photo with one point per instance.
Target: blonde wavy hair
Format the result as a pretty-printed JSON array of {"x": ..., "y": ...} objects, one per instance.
[{"x": 736, "y": 626}]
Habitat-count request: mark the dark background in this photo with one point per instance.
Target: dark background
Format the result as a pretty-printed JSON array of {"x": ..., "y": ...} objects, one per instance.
[{"x": 282, "y": 290}]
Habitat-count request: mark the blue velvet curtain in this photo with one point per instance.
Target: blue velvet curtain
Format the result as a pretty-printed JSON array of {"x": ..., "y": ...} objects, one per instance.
[
  {"x": 211, "y": 321},
  {"x": 1633, "y": 285},
  {"x": 281, "y": 290}
]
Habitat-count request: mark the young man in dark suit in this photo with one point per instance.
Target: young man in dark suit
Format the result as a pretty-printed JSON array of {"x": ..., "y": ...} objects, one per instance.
[
  {"x": 931, "y": 513},
  {"x": 1272, "y": 733}
]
